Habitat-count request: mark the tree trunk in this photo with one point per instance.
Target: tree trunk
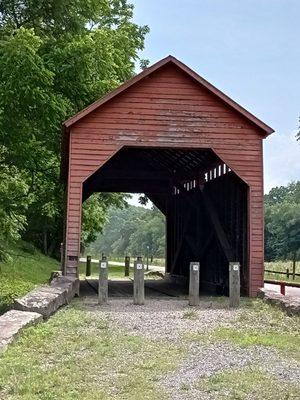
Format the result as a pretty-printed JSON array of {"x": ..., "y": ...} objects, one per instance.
[{"x": 45, "y": 242}]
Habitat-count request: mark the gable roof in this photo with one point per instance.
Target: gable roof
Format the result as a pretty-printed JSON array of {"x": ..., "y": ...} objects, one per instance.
[{"x": 169, "y": 60}]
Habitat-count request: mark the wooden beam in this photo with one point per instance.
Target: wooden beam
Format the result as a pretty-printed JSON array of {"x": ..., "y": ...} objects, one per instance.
[
  {"x": 124, "y": 186},
  {"x": 220, "y": 233},
  {"x": 206, "y": 244},
  {"x": 125, "y": 173},
  {"x": 186, "y": 224},
  {"x": 159, "y": 201}
]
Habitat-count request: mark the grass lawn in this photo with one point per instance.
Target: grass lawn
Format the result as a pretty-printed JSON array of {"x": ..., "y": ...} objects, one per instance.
[
  {"x": 160, "y": 262},
  {"x": 80, "y": 353},
  {"x": 281, "y": 266},
  {"x": 259, "y": 324},
  {"x": 114, "y": 271},
  {"x": 76, "y": 355},
  {"x": 236, "y": 385},
  {"x": 23, "y": 273}
]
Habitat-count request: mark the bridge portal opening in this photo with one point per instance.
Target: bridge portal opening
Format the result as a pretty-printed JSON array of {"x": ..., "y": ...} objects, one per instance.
[{"x": 204, "y": 202}]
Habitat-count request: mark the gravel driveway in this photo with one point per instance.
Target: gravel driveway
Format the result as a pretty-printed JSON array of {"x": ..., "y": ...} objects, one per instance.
[{"x": 173, "y": 320}]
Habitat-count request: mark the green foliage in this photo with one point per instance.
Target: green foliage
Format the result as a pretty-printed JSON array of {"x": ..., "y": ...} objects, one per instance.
[
  {"x": 130, "y": 231},
  {"x": 14, "y": 200},
  {"x": 56, "y": 57},
  {"x": 280, "y": 194},
  {"x": 282, "y": 222},
  {"x": 95, "y": 211},
  {"x": 27, "y": 269}
]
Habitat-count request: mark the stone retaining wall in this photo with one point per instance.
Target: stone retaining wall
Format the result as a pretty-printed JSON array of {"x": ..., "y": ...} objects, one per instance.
[
  {"x": 47, "y": 299},
  {"x": 34, "y": 306}
]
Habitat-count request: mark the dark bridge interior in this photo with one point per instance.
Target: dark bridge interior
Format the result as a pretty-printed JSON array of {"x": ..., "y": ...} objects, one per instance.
[{"x": 205, "y": 204}]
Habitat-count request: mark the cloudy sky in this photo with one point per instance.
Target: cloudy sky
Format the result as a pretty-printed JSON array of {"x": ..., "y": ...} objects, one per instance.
[{"x": 250, "y": 50}]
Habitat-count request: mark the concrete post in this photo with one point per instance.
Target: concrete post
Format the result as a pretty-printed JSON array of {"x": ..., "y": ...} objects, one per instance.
[
  {"x": 88, "y": 265},
  {"x": 234, "y": 284},
  {"x": 194, "y": 284},
  {"x": 127, "y": 265},
  {"x": 138, "y": 283},
  {"x": 103, "y": 281}
]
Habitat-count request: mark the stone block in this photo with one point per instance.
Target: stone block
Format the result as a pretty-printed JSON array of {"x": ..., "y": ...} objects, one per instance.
[
  {"x": 12, "y": 323},
  {"x": 290, "y": 304},
  {"x": 47, "y": 299}
]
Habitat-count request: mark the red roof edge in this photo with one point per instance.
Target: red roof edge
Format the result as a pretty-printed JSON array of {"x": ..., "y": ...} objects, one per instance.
[{"x": 170, "y": 59}]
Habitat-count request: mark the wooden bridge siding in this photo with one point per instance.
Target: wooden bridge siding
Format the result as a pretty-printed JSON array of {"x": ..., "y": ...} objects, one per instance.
[{"x": 168, "y": 109}]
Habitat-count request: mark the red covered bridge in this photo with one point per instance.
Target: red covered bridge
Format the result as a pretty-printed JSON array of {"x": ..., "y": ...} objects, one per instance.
[{"x": 193, "y": 151}]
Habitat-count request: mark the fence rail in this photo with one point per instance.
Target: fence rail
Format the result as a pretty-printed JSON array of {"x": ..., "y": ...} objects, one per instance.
[
  {"x": 287, "y": 273},
  {"x": 283, "y": 284}
]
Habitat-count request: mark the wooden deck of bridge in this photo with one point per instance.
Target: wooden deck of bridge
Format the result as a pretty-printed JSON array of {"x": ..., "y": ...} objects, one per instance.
[{"x": 124, "y": 288}]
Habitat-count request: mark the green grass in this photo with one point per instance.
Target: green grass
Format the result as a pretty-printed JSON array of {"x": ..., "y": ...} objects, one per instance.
[
  {"x": 285, "y": 341},
  {"x": 249, "y": 384},
  {"x": 160, "y": 262},
  {"x": 259, "y": 324},
  {"x": 23, "y": 273},
  {"x": 281, "y": 266},
  {"x": 114, "y": 271},
  {"x": 76, "y": 355}
]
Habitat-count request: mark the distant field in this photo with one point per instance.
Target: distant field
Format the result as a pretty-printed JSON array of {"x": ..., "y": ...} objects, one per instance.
[
  {"x": 114, "y": 271},
  {"x": 160, "y": 262},
  {"x": 281, "y": 266}
]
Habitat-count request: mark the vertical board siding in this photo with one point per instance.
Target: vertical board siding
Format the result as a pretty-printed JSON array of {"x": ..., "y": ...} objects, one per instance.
[{"x": 168, "y": 109}]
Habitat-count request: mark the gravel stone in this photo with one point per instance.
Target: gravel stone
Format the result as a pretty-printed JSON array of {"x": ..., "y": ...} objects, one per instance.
[
  {"x": 165, "y": 318},
  {"x": 173, "y": 319},
  {"x": 206, "y": 360}
]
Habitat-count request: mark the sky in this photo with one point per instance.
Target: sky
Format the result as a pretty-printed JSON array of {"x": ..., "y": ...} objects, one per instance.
[{"x": 250, "y": 50}]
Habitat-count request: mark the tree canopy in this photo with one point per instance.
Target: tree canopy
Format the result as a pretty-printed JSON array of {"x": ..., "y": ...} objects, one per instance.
[
  {"x": 129, "y": 231},
  {"x": 282, "y": 222},
  {"x": 56, "y": 57}
]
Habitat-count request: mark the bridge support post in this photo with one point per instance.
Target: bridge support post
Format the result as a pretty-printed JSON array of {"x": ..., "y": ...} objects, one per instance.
[
  {"x": 103, "y": 281},
  {"x": 88, "y": 266},
  {"x": 127, "y": 265},
  {"x": 194, "y": 284},
  {"x": 234, "y": 284},
  {"x": 138, "y": 283}
]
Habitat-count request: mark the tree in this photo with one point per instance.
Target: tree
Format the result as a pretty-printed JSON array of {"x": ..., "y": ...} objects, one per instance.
[
  {"x": 14, "y": 199},
  {"x": 282, "y": 222},
  {"x": 56, "y": 57},
  {"x": 129, "y": 231}
]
